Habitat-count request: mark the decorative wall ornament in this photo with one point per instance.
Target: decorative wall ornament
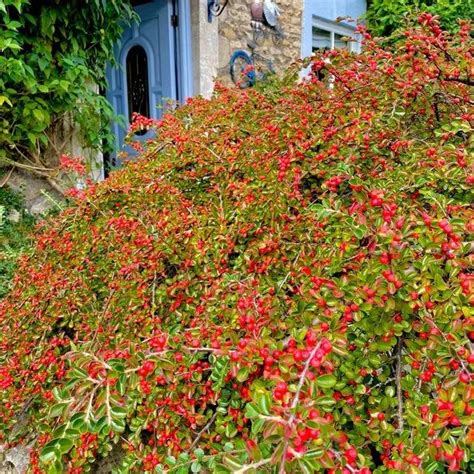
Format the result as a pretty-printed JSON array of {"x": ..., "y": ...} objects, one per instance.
[
  {"x": 215, "y": 8},
  {"x": 264, "y": 22},
  {"x": 256, "y": 11},
  {"x": 271, "y": 12},
  {"x": 246, "y": 69}
]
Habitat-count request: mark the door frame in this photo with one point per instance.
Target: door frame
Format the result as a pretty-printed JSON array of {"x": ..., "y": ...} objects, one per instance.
[
  {"x": 180, "y": 54},
  {"x": 184, "y": 49}
]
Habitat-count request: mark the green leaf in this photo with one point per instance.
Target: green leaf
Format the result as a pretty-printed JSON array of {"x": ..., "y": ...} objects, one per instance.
[
  {"x": 220, "y": 370},
  {"x": 230, "y": 430},
  {"x": 122, "y": 384},
  {"x": 326, "y": 401},
  {"x": 228, "y": 447},
  {"x": 77, "y": 421},
  {"x": 360, "y": 232},
  {"x": 232, "y": 462},
  {"x": 58, "y": 409},
  {"x": 60, "y": 445},
  {"x": 326, "y": 381},
  {"x": 309, "y": 465},
  {"x": 264, "y": 402},
  {"x": 49, "y": 454},
  {"x": 118, "y": 425},
  {"x": 5, "y": 99},
  {"x": 390, "y": 391},
  {"x": 432, "y": 467},
  {"x": 64, "y": 445},
  {"x": 38, "y": 114},
  {"x": 243, "y": 374},
  {"x": 64, "y": 85},
  {"x": 251, "y": 411},
  {"x": 183, "y": 457},
  {"x": 77, "y": 372},
  {"x": 118, "y": 412},
  {"x": 199, "y": 453}
]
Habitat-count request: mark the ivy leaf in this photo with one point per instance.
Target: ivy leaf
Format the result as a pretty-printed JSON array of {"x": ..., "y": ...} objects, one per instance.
[{"x": 5, "y": 99}]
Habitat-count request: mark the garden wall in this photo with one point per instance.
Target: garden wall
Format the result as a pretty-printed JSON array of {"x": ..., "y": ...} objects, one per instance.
[{"x": 235, "y": 31}]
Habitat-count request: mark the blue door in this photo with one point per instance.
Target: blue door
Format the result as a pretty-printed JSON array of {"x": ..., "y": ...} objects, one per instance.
[{"x": 144, "y": 78}]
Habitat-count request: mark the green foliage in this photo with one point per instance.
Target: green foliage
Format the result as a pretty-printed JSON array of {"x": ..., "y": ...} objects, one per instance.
[
  {"x": 386, "y": 16},
  {"x": 281, "y": 282},
  {"x": 52, "y": 57},
  {"x": 15, "y": 237}
]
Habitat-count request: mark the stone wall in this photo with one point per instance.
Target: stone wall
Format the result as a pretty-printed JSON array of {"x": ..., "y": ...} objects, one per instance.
[
  {"x": 204, "y": 48},
  {"x": 235, "y": 31}
]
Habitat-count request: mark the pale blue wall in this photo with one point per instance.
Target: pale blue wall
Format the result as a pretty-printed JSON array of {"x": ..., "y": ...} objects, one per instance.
[{"x": 330, "y": 10}]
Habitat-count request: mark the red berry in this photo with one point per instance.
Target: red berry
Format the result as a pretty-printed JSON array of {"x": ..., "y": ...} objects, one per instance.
[{"x": 464, "y": 377}]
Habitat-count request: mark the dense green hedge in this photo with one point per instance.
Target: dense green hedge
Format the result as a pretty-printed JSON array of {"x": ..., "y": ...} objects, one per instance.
[{"x": 282, "y": 282}]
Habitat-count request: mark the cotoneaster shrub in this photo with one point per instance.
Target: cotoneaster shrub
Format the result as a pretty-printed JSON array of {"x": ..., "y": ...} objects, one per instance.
[{"x": 282, "y": 282}]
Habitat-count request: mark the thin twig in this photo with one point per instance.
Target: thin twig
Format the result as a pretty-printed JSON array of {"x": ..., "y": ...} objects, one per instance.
[
  {"x": 55, "y": 186},
  {"x": 450, "y": 345},
  {"x": 398, "y": 378},
  {"x": 249, "y": 467},
  {"x": 468, "y": 82},
  {"x": 89, "y": 405},
  {"x": 5, "y": 178},
  {"x": 208, "y": 424},
  {"x": 107, "y": 404},
  {"x": 102, "y": 316},
  {"x": 339, "y": 457},
  {"x": 294, "y": 404}
]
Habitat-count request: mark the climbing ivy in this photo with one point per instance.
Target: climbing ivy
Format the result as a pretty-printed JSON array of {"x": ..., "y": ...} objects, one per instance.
[{"x": 52, "y": 63}]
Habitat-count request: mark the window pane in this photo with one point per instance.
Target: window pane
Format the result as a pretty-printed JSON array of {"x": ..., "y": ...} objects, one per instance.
[
  {"x": 321, "y": 39},
  {"x": 137, "y": 82}
]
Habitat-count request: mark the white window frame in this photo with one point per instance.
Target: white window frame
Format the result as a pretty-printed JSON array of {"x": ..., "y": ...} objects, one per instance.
[{"x": 334, "y": 28}]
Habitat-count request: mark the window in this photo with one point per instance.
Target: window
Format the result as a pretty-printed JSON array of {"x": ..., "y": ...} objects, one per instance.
[
  {"x": 321, "y": 39},
  {"x": 327, "y": 34},
  {"x": 137, "y": 82}
]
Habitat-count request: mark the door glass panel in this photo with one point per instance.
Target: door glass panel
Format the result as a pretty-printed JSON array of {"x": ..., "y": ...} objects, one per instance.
[{"x": 137, "y": 82}]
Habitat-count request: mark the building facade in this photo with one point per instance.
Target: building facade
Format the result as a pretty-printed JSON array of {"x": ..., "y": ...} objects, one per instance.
[{"x": 179, "y": 48}]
